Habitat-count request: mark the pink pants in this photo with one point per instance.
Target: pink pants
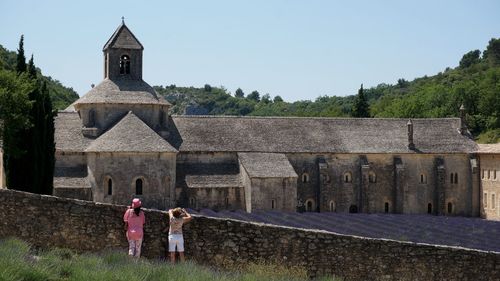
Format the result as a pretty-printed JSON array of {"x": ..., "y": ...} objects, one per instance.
[{"x": 134, "y": 248}]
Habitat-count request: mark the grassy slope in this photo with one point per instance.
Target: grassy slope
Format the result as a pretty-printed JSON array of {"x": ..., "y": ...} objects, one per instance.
[{"x": 17, "y": 262}]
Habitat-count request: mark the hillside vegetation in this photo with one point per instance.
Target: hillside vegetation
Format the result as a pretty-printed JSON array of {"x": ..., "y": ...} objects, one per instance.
[
  {"x": 19, "y": 262},
  {"x": 475, "y": 83},
  {"x": 60, "y": 95}
]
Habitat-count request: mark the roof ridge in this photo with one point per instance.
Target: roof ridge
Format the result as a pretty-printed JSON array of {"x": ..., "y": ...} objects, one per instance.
[{"x": 311, "y": 117}]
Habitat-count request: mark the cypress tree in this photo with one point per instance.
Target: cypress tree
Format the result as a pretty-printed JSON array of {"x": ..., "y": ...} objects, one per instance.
[
  {"x": 360, "y": 107},
  {"x": 49, "y": 147},
  {"x": 21, "y": 59},
  {"x": 31, "y": 69}
]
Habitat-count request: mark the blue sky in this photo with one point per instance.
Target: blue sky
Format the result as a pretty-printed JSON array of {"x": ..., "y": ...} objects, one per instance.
[{"x": 295, "y": 49}]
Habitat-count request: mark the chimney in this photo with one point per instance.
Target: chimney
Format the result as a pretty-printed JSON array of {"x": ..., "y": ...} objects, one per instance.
[
  {"x": 411, "y": 145},
  {"x": 463, "y": 125}
]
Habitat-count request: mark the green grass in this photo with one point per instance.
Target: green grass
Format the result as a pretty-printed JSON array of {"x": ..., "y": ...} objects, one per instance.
[{"x": 19, "y": 262}]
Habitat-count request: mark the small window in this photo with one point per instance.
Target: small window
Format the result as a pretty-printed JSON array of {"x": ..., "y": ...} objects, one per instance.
[
  {"x": 493, "y": 201},
  {"x": 305, "y": 177},
  {"x": 456, "y": 178},
  {"x": 494, "y": 174},
  {"x": 110, "y": 186},
  {"x": 488, "y": 174},
  {"x": 91, "y": 119},
  {"x": 353, "y": 209},
  {"x": 326, "y": 178},
  {"x": 124, "y": 64},
  {"x": 273, "y": 204},
  {"x": 138, "y": 186},
  {"x": 429, "y": 208},
  {"x": 423, "y": 178},
  {"x": 227, "y": 201},
  {"x": 309, "y": 205},
  {"x": 483, "y": 174},
  {"x": 332, "y": 206},
  {"x": 386, "y": 207},
  {"x": 451, "y": 178},
  {"x": 348, "y": 177},
  {"x": 192, "y": 202},
  {"x": 485, "y": 200},
  {"x": 450, "y": 208},
  {"x": 372, "y": 177}
]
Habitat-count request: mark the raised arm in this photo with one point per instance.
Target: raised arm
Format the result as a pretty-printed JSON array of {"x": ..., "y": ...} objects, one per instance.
[{"x": 187, "y": 217}]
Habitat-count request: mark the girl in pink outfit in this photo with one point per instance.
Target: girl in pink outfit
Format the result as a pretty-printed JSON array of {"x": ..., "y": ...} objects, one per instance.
[{"x": 134, "y": 221}]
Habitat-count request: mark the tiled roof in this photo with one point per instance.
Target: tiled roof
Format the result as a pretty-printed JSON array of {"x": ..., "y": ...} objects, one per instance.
[
  {"x": 212, "y": 181},
  {"x": 317, "y": 135},
  {"x": 130, "y": 135},
  {"x": 123, "y": 38},
  {"x": 122, "y": 90},
  {"x": 267, "y": 165},
  {"x": 68, "y": 133},
  {"x": 71, "y": 177},
  {"x": 489, "y": 148}
]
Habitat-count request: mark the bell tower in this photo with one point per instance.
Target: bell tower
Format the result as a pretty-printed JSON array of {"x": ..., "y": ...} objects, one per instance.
[{"x": 123, "y": 55}]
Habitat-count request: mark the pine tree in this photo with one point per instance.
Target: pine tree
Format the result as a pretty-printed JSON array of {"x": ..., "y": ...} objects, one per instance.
[
  {"x": 360, "y": 107},
  {"x": 21, "y": 59}
]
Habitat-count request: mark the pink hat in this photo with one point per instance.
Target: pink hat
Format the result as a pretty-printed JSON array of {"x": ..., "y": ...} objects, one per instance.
[{"x": 136, "y": 203}]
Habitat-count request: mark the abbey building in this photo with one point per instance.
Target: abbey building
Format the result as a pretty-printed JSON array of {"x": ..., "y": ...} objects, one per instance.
[{"x": 118, "y": 142}]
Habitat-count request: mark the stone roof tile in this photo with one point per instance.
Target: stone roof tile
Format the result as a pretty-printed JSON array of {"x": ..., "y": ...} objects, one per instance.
[
  {"x": 122, "y": 90},
  {"x": 130, "y": 135},
  {"x": 68, "y": 133},
  {"x": 123, "y": 38},
  {"x": 267, "y": 165},
  {"x": 317, "y": 135},
  {"x": 489, "y": 148},
  {"x": 212, "y": 181}
]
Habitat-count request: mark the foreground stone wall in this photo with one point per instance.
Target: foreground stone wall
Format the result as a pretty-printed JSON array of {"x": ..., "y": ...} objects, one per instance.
[{"x": 48, "y": 221}]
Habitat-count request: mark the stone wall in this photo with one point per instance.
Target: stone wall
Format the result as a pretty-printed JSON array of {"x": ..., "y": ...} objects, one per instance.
[
  {"x": 86, "y": 226},
  {"x": 490, "y": 186}
]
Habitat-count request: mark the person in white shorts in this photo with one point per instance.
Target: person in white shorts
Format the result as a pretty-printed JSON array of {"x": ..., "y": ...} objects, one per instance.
[{"x": 177, "y": 217}]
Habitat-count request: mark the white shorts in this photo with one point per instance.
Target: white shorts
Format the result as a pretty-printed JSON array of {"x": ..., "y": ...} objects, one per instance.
[{"x": 175, "y": 240}]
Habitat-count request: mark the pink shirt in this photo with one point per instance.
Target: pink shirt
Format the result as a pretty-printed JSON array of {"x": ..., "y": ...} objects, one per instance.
[{"x": 135, "y": 224}]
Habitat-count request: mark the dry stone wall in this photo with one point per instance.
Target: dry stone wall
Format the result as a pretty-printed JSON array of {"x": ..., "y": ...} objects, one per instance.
[{"x": 48, "y": 221}]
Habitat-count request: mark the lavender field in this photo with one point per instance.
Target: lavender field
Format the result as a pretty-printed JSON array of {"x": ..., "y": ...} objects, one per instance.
[{"x": 473, "y": 233}]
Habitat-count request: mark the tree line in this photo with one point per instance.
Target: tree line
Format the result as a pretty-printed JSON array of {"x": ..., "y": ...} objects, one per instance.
[
  {"x": 27, "y": 130},
  {"x": 475, "y": 83}
]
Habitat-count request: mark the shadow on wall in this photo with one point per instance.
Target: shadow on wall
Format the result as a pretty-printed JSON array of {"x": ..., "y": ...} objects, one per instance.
[{"x": 47, "y": 221}]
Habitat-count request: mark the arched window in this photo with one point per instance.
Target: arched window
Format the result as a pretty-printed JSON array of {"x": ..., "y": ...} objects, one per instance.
[
  {"x": 485, "y": 200},
  {"x": 483, "y": 174},
  {"x": 353, "y": 209},
  {"x": 494, "y": 174},
  {"x": 456, "y": 178},
  {"x": 429, "y": 208},
  {"x": 386, "y": 207},
  {"x": 309, "y": 205},
  {"x": 332, "y": 206},
  {"x": 493, "y": 201},
  {"x": 488, "y": 174},
  {"x": 305, "y": 177},
  {"x": 372, "y": 177},
  {"x": 450, "y": 208},
  {"x": 347, "y": 177},
  {"x": 423, "y": 178},
  {"x": 326, "y": 178},
  {"x": 138, "y": 186},
  {"x": 124, "y": 64},
  {"x": 273, "y": 205},
  {"x": 451, "y": 178},
  {"x": 110, "y": 186}
]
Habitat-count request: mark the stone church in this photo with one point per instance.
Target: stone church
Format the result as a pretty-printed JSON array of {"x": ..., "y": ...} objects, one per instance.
[{"x": 119, "y": 141}]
